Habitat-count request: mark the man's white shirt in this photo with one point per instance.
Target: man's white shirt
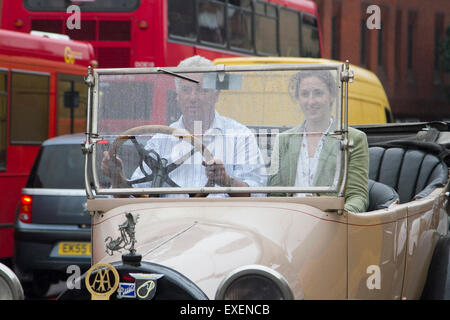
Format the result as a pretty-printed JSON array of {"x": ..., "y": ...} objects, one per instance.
[{"x": 231, "y": 142}]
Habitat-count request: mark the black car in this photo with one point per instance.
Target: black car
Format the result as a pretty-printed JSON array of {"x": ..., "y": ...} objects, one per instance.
[{"x": 52, "y": 228}]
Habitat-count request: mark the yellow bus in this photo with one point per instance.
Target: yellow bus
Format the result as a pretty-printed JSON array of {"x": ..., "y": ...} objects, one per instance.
[{"x": 367, "y": 100}]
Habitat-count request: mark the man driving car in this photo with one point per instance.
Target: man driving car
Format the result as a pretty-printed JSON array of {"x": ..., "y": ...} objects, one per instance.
[{"x": 236, "y": 159}]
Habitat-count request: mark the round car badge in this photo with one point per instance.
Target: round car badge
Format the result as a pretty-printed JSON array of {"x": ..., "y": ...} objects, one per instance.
[
  {"x": 146, "y": 284},
  {"x": 102, "y": 280}
]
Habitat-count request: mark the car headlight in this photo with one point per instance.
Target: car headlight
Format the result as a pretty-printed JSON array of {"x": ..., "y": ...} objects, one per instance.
[{"x": 254, "y": 282}]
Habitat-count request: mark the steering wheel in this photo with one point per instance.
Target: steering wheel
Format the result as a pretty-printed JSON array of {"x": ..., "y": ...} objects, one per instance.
[{"x": 159, "y": 166}]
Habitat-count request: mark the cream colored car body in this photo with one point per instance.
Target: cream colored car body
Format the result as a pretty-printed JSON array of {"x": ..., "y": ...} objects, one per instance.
[{"x": 320, "y": 254}]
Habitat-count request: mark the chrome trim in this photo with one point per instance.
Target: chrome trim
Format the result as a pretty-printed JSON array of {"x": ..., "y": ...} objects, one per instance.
[
  {"x": 53, "y": 192},
  {"x": 227, "y": 68},
  {"x": 92, "y": 132},
  {"x": 129, "y": 191},
  {"x": 336, "y": 67},
  {"x": 94, "y": 172},
  {"x": 255, "y": 269},
  {"x": 88, "y": 190},
  {"x": 87, "y": 149},
  {"x": 346, "y": 77},
  {"x": 23, "y": 227},
  {"x": 95, "y": 102},
  {"x": 10, "y": 279}
]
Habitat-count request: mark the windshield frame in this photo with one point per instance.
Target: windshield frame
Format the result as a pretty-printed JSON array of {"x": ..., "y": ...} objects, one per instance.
[{"x": 92, "y": 135}]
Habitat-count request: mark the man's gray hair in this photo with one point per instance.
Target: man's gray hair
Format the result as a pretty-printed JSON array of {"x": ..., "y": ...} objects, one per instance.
[
  {"x": 196, "y": 61},
  {"x": 192, "y": 62}
]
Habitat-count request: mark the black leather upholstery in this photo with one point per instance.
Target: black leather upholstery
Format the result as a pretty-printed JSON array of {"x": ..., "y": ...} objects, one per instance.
[
  {"x": 381, "y": 196},
  {"x": 411, "y": 172}
]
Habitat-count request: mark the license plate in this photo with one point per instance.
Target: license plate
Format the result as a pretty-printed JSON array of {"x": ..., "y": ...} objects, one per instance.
[{"x": 74, "y": 248}]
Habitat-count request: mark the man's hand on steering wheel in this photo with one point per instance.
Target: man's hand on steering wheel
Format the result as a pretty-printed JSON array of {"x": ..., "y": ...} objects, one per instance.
[
  {"x": 112, "y": 167},
  {"x": 159, "y": 166},
  {"x": 215, "y": 169},
  {"x": 216, "y": 173}
]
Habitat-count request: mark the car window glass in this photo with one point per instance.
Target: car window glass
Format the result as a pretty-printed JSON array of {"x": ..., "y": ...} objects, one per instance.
[
  {"x": 181, "y": 16},
  {"x": 58, "y": 166},
  {"x": 310, "y": 37},
  {"x": 211, "y": 22},
  {"x": 289, "y": 33},
  {"x": 243, "y": 118}
]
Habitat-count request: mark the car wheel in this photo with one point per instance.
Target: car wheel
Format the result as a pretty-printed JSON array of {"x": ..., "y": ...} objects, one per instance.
[
  {"x": 10, "y": 287},
  {"x": 38, "y": 287},
  {"x": 437, "y": 286}
]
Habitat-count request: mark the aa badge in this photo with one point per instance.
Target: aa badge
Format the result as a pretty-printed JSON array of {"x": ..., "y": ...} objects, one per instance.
[
  {"x": 146, "y": 284},
  {"x": 102, "y": 280}
]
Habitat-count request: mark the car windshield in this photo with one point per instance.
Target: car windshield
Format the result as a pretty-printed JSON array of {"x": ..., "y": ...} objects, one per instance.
[{"x": 163, "y": 132}]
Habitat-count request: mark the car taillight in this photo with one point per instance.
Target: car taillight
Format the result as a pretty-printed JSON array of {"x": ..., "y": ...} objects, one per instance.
[{"x": 25, "y": 208}]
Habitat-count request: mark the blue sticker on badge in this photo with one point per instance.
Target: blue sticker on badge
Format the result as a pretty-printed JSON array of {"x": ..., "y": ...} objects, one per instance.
[{"x": 126, "y": 290}]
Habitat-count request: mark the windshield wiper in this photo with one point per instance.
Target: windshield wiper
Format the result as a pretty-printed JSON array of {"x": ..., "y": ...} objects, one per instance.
[{"x": 159, "y": 69}]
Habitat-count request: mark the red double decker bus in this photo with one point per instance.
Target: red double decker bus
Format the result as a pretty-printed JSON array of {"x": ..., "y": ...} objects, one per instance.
[
  {"x": 42, "y": 95},
  {"x": 145, "y": 33}
]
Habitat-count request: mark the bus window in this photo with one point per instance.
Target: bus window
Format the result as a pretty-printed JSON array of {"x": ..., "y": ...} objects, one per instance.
[
  {"x": 65, "y": 122},
  {"x": 310, "y": 37},
  {"x": 239, "y": 22},
  {"x": 182, "y": 18},
  {"x": 98, "y": 5},
  {"x": 266, "y": 29},
  {"x": 3, "y": 117},
  {"x": 29, "y": 108},
  {"x": 289, "y": 33},
  {"x": 147, "y": 33},
  {"x": 211, "y": 18}
]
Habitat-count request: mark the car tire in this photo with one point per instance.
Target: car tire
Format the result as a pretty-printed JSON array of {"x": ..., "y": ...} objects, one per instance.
[
  {"x": 38, "y": 287},
  {"x": 437, "y": 286},
  {"x": 10, "y": 287}
]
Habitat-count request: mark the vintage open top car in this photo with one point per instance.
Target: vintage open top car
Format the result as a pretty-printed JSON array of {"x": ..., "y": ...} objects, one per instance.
[{"x": 171, "y": 230}]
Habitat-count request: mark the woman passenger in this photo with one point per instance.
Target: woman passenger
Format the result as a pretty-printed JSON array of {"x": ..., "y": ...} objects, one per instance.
[{"x": 306, "y": 154}]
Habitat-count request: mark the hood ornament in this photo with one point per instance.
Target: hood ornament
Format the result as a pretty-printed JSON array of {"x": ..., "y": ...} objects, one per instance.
[{"x": 127, "y": 238}]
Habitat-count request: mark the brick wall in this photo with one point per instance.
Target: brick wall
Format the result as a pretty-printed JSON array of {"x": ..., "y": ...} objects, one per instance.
[{"x": 402, "y": 53}]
